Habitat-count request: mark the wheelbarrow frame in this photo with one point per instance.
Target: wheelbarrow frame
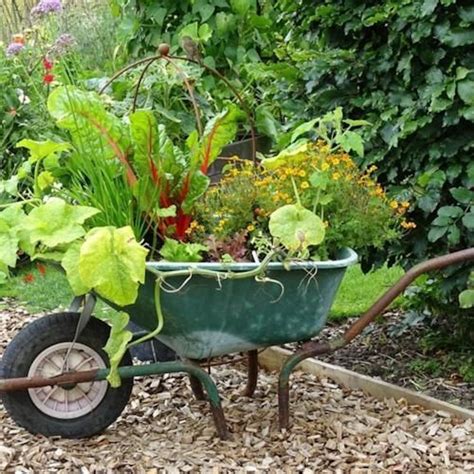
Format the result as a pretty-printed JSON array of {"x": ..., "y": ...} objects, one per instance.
[{"x": 200, "y": 379}]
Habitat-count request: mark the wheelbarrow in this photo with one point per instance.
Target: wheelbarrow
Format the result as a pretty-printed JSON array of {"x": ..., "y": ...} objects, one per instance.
[{"x": 52, "y": 375}]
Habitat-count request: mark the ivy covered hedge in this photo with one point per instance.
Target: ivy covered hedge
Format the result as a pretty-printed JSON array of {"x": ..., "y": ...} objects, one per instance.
[{"x": 407, "y": 67}]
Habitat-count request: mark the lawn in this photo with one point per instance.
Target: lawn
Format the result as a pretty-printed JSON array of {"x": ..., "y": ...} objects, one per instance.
[{"x": 49, "y": 291}]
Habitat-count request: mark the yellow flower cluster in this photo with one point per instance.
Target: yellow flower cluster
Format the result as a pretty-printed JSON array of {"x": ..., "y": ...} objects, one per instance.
[{"x": 194, "y": 227}]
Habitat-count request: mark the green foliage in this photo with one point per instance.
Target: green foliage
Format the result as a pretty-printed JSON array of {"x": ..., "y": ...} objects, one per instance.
[
  {"x": 296, "y": 227},
  {"x": 159, "y": 173},
  {"x": 228, "y": 33},
  {"x": 175, "y": 251},
  {"x": 113, "y": 263},
  {"x": 56, "y": 223},
  {"x": 117, "y": 345},
  {"x": 407, "y": 67}
]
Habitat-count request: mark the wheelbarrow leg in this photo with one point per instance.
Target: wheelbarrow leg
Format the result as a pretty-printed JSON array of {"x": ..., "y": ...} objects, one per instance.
[
  {"x": 252, "y": 370},
  {"x": 196, "y": 387},
  {"x": 203, "y": 379},
  {"x": 284, "y": 378}
]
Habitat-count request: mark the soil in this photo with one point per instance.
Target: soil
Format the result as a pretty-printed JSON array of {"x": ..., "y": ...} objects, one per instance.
[{"x": 379, "y": 353}]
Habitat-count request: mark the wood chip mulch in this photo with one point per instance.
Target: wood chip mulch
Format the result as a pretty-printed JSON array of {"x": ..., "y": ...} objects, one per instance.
[{"x": 164, "y": 430}]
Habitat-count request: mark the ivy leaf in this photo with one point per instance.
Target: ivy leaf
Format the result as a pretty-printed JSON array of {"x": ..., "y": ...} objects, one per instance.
[
  {"x": 450, "y": 211},
  {"x": 466, "y": 91},
  {"x": 70, "y": 263},
  {"x": 466, "y": 299},
  {"x": 112, "y": 262},
  {"x": 468, "y": 220},
  {"x": 296, "y": 227},
  {"x": 116, "y": 345},
  {"x": 436, "y": 233},
  {"x": 56, "y": 222},
  {"x": 462, "y": 195}
]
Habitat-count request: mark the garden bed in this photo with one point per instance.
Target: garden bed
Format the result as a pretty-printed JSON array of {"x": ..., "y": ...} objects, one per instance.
[
  {"x": 398, "y": 359},
  {"x": 163, "y": 427}
]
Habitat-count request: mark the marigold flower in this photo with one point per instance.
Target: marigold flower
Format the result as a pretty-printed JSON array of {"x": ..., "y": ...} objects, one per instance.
[
  {"x": 336, "y": 175},
  {"x": 302, "y": 173},
  {"x": 250, "y": 227},
  {"x": 393, "y": 204},
  {"x": 405, "y": 204},
  {"x": 325, "y": 166},
  {"x": 304, "y": 185},
  {"x": 20, "y": 39},
  {"x": 408, "y": 225}
]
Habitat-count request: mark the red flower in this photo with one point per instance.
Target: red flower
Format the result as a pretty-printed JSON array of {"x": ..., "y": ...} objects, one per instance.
[
  {"x": 41, "y": 268},
  {"x": 28, "y": 278},
  {"x": 48, "y": 78},
  {"x": 48, "y": 65}
]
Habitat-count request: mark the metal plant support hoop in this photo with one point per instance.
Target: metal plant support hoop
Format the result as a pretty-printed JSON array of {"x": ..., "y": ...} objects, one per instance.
[{"x": 170, "y": 59}]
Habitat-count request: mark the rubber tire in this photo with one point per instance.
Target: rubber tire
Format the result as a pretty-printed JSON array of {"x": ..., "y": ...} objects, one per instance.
[{"x": 28, "y": 344}]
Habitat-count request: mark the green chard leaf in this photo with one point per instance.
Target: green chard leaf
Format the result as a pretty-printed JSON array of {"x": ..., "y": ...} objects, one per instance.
[
  {"x": 94, "y": 130},
  {"x": 220, "y": 131}
]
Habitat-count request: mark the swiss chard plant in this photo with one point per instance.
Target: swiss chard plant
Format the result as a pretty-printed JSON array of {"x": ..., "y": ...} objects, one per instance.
[{"x": 166, "y": 179}]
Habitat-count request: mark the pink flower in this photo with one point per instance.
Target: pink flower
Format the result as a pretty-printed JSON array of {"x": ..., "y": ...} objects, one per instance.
[
  {"x": 47, "y": 6},
  {"x": 14, "y": 48}
]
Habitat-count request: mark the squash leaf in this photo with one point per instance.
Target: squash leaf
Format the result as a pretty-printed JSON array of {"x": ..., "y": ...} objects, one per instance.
[
  {"x": 295, "y": 153},
  {"x": 70, "y": 263},
  {"x": 8, "y": 244},
  {"x": 296, "y": 227},
  {"x": 117, "y": 345},
  {"x": 112, "y": 262},
  {"x": 56, "y": 222}
]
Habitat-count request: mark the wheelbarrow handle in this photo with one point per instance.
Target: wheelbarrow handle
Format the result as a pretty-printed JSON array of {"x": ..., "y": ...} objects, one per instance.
[{"x": 384, "y": 301}]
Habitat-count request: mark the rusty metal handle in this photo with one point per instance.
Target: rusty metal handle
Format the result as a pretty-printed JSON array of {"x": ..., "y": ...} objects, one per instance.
[{"x": 384, "y": 301}]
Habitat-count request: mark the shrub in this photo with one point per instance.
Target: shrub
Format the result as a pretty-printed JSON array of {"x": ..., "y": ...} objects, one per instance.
[{"x": 408, "y": 68}]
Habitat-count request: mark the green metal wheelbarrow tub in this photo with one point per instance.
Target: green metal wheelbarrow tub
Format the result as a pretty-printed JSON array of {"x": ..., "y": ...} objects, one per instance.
[{"x": 208, "y": 317}]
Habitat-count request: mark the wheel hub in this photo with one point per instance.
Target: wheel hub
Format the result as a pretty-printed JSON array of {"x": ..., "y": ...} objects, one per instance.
[{"x": 70, "y": 400}]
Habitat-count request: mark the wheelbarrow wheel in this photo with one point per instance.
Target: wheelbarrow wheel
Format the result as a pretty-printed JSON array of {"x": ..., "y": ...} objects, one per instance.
[{"x": 75, "y": 411}]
